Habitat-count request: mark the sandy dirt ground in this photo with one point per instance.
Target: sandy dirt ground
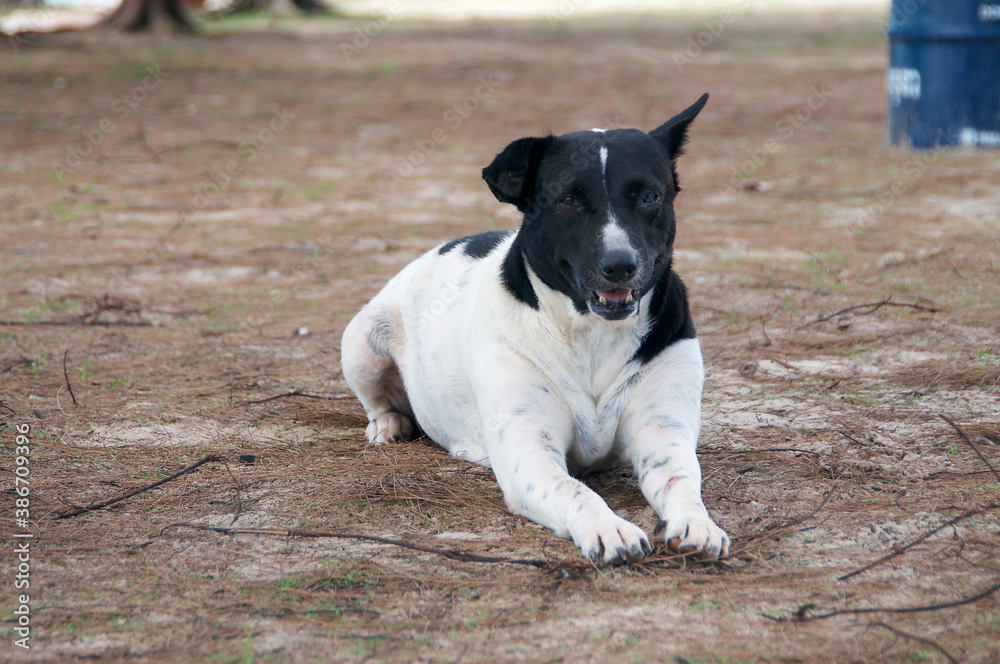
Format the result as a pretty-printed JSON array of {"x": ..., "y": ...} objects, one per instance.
[{"x": 187, "y": 225}]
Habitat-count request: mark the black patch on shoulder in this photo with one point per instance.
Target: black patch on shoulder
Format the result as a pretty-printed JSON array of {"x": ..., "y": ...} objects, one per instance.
[
  {"x": 451, "y": 245},
  {"x": 514, "y": 274},
  {"x": 477, "y": 246},
  {"x": 671, "y": 318}
]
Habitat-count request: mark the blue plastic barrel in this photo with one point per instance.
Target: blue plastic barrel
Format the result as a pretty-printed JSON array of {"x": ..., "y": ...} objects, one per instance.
[{"x": 943, "y": 82}]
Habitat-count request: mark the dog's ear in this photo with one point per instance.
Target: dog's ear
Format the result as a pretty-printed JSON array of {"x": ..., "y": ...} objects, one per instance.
[
  {"x": 673, "y": 133},
  {"x": 511, "y": 176}
]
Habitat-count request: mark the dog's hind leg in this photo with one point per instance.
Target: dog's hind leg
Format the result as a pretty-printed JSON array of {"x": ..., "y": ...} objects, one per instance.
[{"x": 372, "y": 372}]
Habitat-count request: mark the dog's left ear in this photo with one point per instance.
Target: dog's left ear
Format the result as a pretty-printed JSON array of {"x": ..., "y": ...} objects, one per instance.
[
  {"x": 672, "y": 134},
  {"x": 511, "y": 176}
]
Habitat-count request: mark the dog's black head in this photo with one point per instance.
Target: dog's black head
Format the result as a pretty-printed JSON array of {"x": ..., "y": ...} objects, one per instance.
[{"x": 598, "y": 212}]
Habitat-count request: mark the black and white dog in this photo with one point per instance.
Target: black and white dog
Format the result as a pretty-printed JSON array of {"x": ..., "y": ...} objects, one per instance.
[{"x": 561, "y": 347}]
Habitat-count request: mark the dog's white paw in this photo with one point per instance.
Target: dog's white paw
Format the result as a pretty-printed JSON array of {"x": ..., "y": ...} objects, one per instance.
[
  {"x": 610, "y": 539},
  {"x": 694, "y": 532},
  {"x": 388, "y": 428}
]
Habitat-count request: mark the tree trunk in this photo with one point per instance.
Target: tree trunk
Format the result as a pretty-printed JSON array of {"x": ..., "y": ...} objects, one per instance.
[
  {"x": 139, "y": 15},
  {"x": 312, "y": 7}
]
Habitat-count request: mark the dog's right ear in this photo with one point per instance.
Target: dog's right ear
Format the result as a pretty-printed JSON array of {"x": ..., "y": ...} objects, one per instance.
[{"x": 511, "y": 176}]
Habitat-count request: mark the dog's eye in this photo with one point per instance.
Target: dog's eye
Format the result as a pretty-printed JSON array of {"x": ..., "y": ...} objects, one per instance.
[
  {"x": 569, "y": 201},
  {"x": 650, "y": 198}
]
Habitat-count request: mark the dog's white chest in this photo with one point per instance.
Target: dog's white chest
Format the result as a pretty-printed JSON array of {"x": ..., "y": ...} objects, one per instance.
[{"x": 593, "y": 373}]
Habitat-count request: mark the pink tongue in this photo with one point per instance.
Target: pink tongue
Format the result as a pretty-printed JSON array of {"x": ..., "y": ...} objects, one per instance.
[{"x": 616, "y": 295}]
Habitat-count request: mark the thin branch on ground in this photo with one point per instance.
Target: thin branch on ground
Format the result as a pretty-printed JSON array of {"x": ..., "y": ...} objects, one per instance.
[
  {"x": 303, "y": 612},
  {"x": 903, "y": 549},
  {"x": 766, "y": 449},
  {"x": 107, "y": 503},
  {"x": 296, "y": 393},
  {"x": 951, "y": 473},
  {"x": 451, "y": 554},
  {"x": 66, "y": 376},
  {"x": 788, "y": 366},
  {"x": 200, "y": 143},
  {"x": 239, "y": 498},
  {"x": 140, "y": 138},
  {"x": 873, "y": 307},
  {"x": 802, "y": 613},
  {"x": 852, "y": 438},
  {"x": 918, "y": 639},
  {"x": 82, "y": 323},
  {"x": 786, "y": 527},
  {"x": 968, "y": 441}
]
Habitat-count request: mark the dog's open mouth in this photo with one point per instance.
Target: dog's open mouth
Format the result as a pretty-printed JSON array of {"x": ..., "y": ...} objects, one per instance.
[{"x": 613, "y": 304}]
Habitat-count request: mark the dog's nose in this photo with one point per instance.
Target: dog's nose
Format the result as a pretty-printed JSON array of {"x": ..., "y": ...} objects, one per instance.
[{"x": 618, "y": 265}]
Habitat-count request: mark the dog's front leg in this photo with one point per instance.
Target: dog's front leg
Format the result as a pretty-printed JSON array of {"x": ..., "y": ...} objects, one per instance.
[
  {"x": 658, "y": 435},
  {"x": 528, "y": 432}
]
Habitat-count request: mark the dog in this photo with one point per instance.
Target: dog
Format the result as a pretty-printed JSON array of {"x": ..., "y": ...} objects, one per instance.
[{"x": 565, "y": 346}]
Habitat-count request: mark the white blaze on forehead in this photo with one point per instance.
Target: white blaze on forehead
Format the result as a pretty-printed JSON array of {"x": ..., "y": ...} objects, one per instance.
[
  {"x": 613, "y": 236},
  {"x": 598, "y": 130}
]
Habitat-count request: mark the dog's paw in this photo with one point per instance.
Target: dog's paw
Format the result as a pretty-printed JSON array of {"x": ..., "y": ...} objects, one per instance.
[
  {"x": 388, "y": 428},
  {"x": 694, "y": 533},
  {"x": 610, "y": 540}
]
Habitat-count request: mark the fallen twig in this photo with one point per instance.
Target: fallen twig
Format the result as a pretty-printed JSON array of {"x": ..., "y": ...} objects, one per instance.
[
  {"x": 451, "y": 554},
  {"x": 873, "y": 306},
  {"x": 66, "y": 376},
  {"x": 239, "y": 499},
  {"x": 790, "y": 367},
  {"x": 90, "y": 508},
  {"x": 951, "y": 473},
  {"x": 783, "y": 528},
  {"x": 296, "y": 393},
  {"x": 918, "y": 639},
  {"x": 906, "y": 547},
  {"x": 305, "y": 612},
  {"x": 202, "y": 142},
  {"x": 766, "y": 449},
  {"x": 140, "y": 137},
  {"x": 801, "y": 615},
  {"x": 852, "y": 439},
  {"x": 969, "y": 442},
  {"x": 77, "y": 321}
]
